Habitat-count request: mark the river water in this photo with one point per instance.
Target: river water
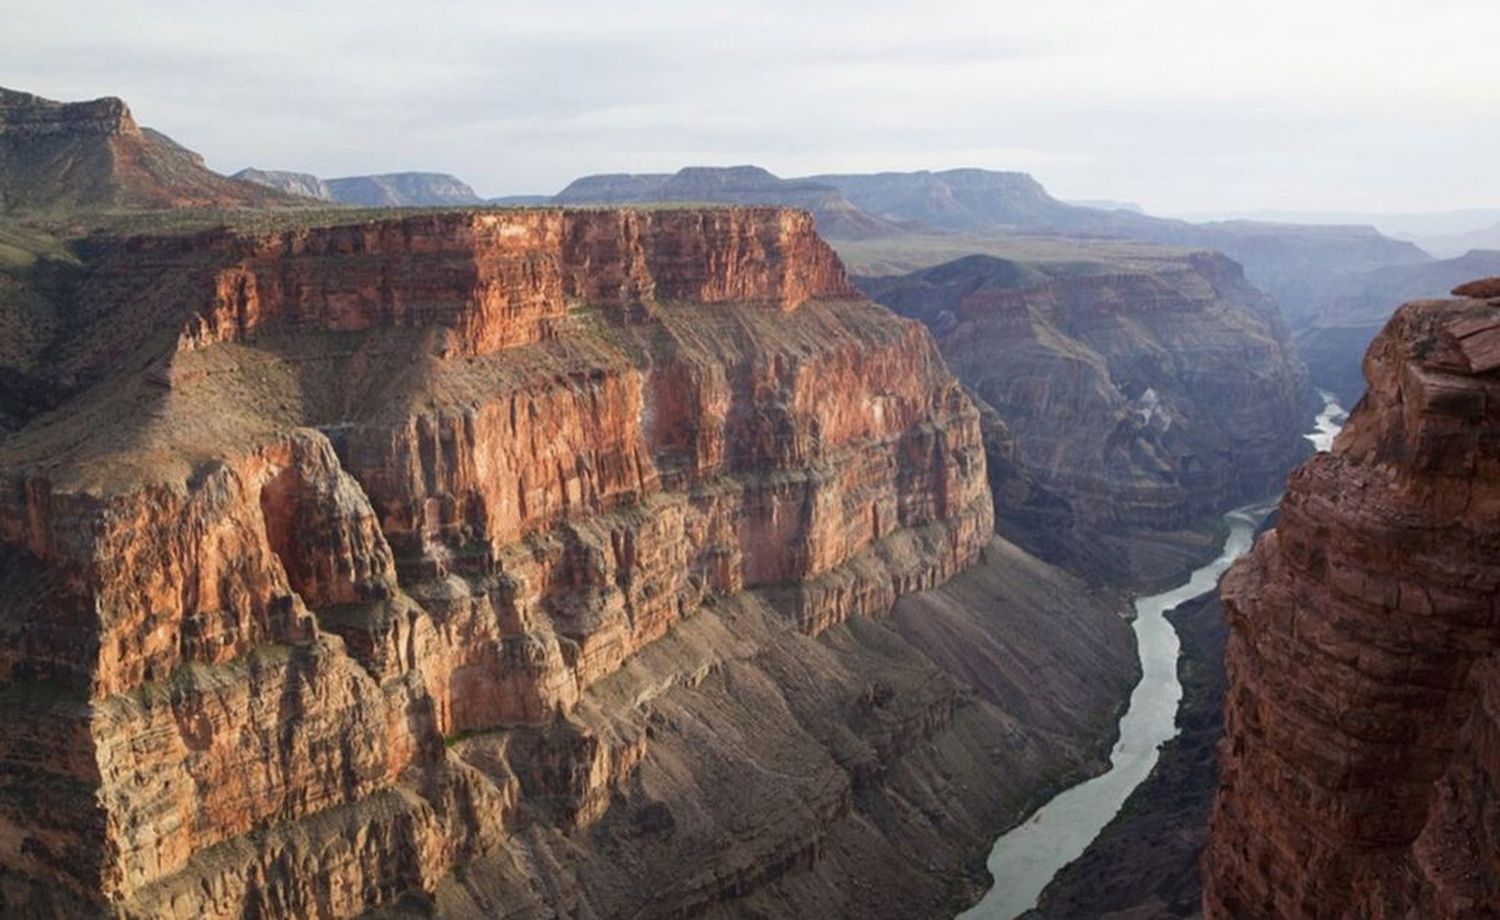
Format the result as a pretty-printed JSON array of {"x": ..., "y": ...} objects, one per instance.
[
  {"x": 1328, "y": 423},
  {"x": 1024, "y": 860}
]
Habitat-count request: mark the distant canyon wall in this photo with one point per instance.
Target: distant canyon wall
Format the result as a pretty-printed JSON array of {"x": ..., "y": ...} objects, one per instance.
[{"x": 1129, "y": 406}]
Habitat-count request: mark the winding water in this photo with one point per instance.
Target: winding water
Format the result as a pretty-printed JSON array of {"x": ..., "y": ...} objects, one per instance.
[
  {"x": 1025, "y": 860},
  {"x": 1328, "y": 423}
]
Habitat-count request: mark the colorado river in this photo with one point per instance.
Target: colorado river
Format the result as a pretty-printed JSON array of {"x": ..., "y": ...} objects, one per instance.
[
  {"x": 1024, "y": 860},
  {"x": 1328, "y": 423}
]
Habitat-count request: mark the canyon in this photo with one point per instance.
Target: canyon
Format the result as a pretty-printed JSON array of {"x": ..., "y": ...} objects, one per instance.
[
  {"x": 622, "y": 555},
  {"x": 429, "y": 563},
  {"x": 1137, "y": 399},
  {"x": 1358, "y": 766}
]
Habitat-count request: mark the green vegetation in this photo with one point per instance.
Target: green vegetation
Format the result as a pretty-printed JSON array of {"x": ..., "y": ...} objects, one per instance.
[{"x": 897, "y": 255}]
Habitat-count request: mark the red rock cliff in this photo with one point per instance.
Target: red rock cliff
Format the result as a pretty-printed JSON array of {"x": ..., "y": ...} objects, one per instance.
[
  {"x": 338, "y": 495},
  {"x": 1361, "y": 766},
  {"x": 503, "y": 279}
]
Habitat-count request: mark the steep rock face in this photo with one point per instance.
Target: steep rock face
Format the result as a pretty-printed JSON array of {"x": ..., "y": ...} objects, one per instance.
[
  {"x": 492, "y": 280},
  {"x": 859, "y": 774},
  {"x": 1141, "y": 399},
  {"x": 1358, "y": 771},
  {"x": 330, "y": 501},
  {"x": 59, "y": 156}
]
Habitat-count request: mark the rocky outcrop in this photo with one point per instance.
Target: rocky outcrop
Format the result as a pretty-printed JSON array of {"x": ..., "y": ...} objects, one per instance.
[
  {"x": 310, "y": 590},
  {"x": 1140, "y": 398},
  {"x": 1334, "y": 342},
  {"x": 1358, "y": 773},
  {"x": 89, "y": 155}
]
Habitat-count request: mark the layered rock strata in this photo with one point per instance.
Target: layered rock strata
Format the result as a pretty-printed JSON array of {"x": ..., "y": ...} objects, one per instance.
[
  {"x": 307, "y": 588},
  {"x": 1140, "y": 399},
  {"x": 859, "y": 774},
  {"x": 1359, "y": 769}
]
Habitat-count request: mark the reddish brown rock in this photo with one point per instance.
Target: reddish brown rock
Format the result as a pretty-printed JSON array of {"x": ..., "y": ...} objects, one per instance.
[
  {"x": 1482, "y": 289},
  {"x": 1359, "y": 766},
  {"x": 507, "y": 278},
  {"x": 333, "y": 500}
]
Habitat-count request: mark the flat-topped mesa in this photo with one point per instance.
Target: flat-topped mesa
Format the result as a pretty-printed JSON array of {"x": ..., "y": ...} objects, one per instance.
[
  {"x": 506, "y": 278},
  {"x": 1361, "y": 762},
  {"x": 308, "y": 512},
  {"x": 23, "y": 115}
]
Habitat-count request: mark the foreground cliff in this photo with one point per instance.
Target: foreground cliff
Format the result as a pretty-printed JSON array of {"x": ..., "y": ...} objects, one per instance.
[
  {"x": 357, "y": 556},
  {"x": 1133, "y": 399},
  {"x": 1359, "y": 769}
]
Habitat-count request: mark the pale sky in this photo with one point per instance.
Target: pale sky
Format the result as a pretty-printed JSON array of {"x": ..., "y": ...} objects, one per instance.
[{"x": 1179, "y": 105}]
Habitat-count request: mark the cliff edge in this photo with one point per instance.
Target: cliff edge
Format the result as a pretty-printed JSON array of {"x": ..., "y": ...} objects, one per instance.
[
  {"x": 356, "y": 554},
  {"x": 1361, "y": 764}
]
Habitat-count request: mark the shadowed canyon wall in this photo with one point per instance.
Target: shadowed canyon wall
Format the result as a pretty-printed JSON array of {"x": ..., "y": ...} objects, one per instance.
[
  {"x": 1129, "y": 404},
  {"x": 1359, "y": 765}
]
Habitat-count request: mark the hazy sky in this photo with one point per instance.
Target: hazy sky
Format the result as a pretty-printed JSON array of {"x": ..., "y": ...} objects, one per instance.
[{"x": 1180, "y": 105}]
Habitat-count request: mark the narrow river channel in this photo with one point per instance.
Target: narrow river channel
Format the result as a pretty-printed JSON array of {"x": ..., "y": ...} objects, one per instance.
[{"x": 1026, "y": 858}]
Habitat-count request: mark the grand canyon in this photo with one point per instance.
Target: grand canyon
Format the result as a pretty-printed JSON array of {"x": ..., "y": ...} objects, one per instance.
[{"x": 709, "y": 542}]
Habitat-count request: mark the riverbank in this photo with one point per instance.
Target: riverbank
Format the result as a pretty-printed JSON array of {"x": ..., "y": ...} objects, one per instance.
[
  {"x": 1145, "y": 862},
  {"x": 1025, "y": 859}
]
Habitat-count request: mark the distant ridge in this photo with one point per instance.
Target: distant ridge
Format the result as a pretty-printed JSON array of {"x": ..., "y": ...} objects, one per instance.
[
  {"x": 837, "y": 217},
  {"x": 402, "y": 190},
  {"x": 389, "y": 190},
  {"x": 303, "y": 185}
]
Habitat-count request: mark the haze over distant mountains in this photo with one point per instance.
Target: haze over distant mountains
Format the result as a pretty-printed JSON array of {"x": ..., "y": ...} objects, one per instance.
[
  {"x": 390, "y": 190},
  {"x": 93, "y": 155},
  {"x": 1442, "y": 233}
]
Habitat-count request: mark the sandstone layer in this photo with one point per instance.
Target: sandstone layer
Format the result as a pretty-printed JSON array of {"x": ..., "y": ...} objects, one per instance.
[
  {"x": 311, "y": 581},
  {"x": 1359, "y": 769},
  {"x": 1139, "y": 398},
  {"x": 860, "y": 774}
]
